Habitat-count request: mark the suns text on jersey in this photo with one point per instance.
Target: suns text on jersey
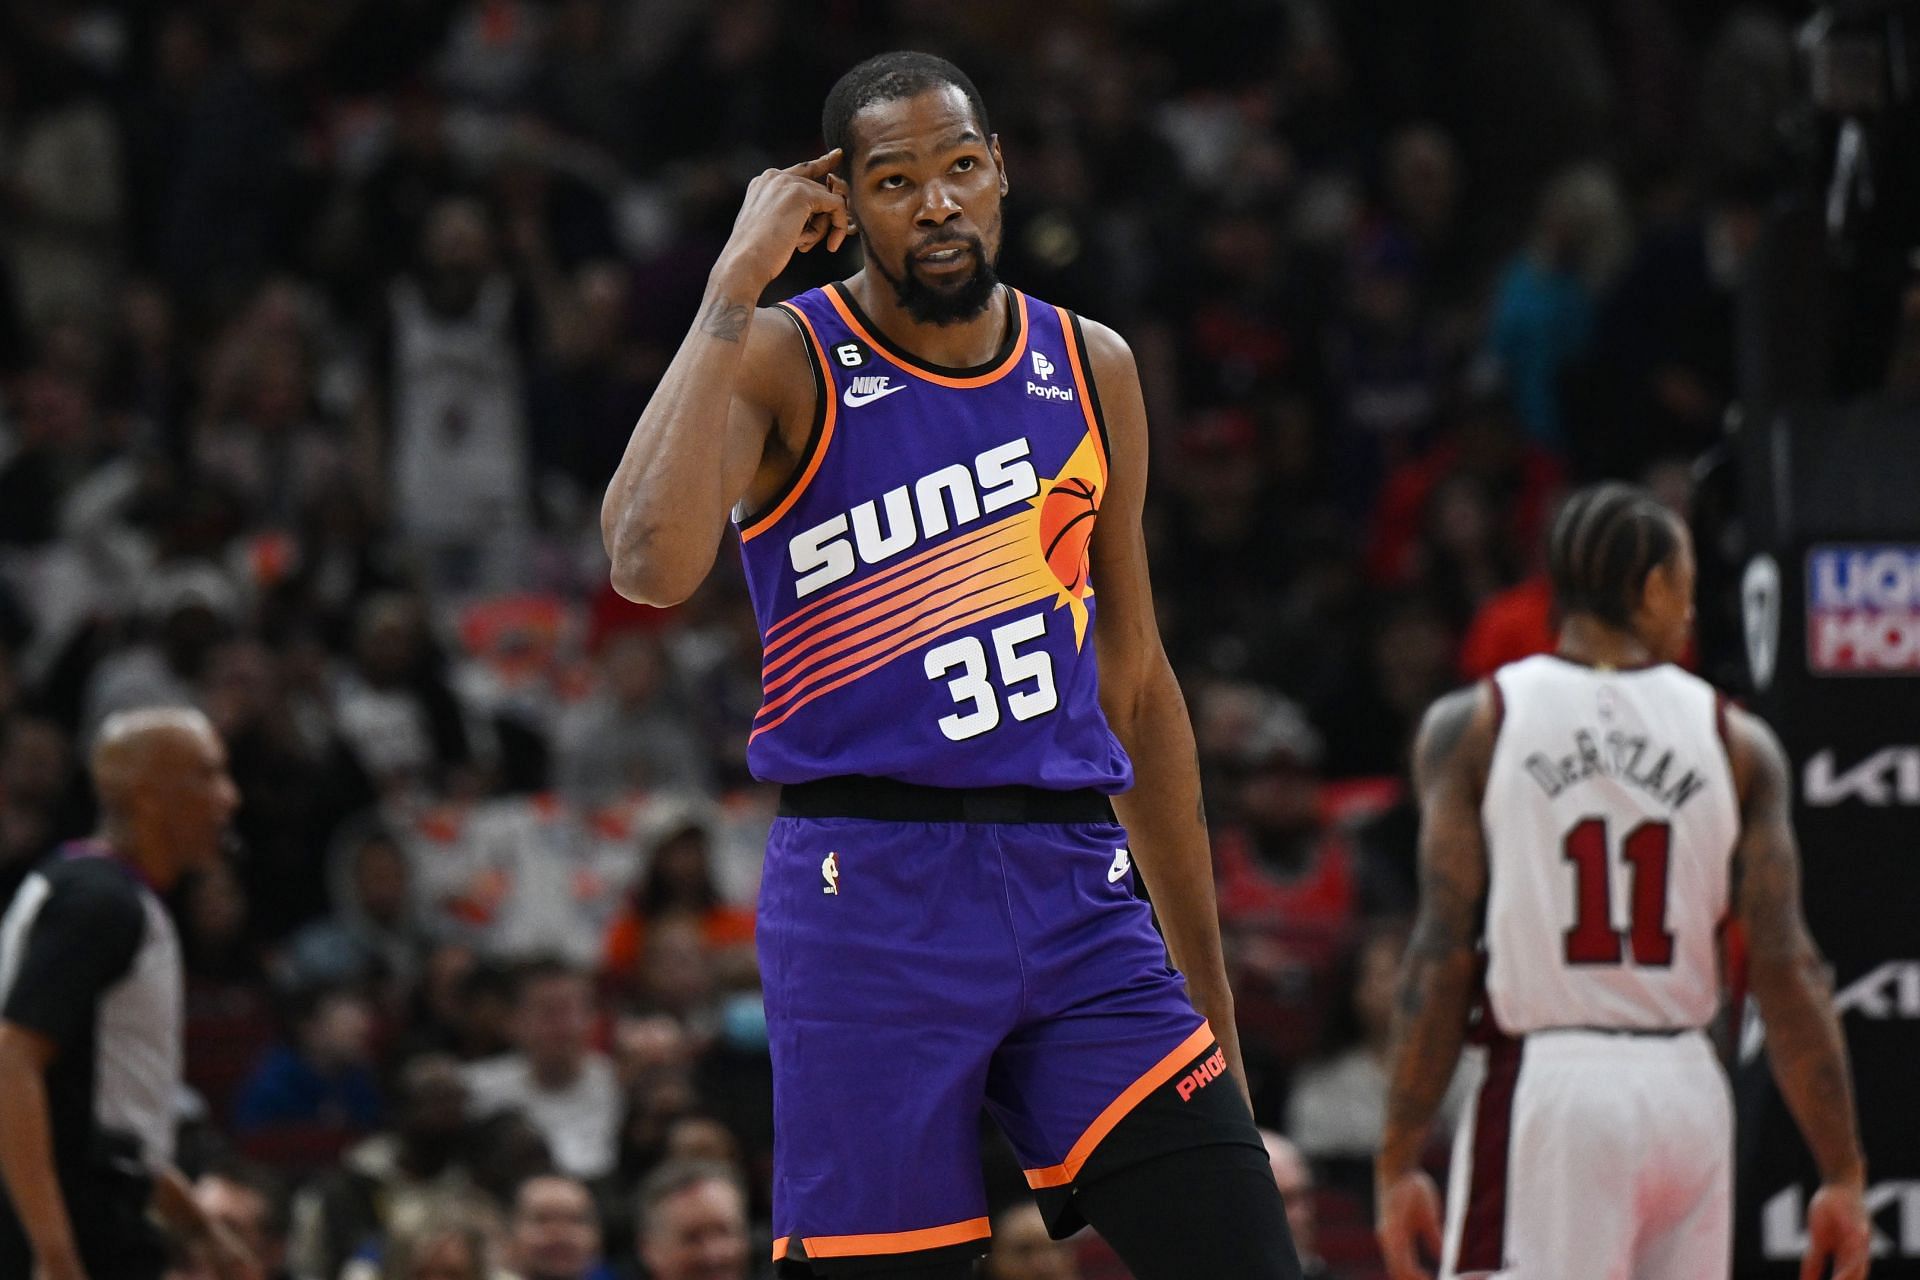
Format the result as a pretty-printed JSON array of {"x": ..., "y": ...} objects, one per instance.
[{"x": 1631, "y": 758}]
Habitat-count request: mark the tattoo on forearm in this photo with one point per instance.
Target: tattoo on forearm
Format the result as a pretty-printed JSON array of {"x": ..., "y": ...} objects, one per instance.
[
  {"x": 725, "y": 319},
  {"x": 1199, "y": 791}
]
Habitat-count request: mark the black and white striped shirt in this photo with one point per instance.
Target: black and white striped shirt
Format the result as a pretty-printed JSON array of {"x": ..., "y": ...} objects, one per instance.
[{"x": 89, "y": 959}]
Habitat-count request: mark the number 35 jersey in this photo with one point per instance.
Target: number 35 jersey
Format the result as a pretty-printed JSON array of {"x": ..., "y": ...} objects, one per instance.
[
  {"x": 1610, "y": 819},
  {"x": 922, "y": 585}
]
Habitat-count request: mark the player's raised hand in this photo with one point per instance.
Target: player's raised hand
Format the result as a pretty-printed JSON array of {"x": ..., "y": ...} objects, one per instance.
[
  {"x": 1409, "y": 1220},
  {"x": 1837, "y": 1230},
  {"x": 786, "y": 211}
]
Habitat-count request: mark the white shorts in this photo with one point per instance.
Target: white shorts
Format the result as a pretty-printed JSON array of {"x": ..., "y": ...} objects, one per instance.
[{"x": 1590, "y": 1156}]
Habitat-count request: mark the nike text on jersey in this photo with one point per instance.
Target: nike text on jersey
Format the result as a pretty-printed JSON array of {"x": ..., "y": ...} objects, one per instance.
[{"x": 867, "y": 389}]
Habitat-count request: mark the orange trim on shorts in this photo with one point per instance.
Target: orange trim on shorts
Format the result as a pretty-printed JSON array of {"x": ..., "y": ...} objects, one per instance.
[
  {"x": 887, "y": 1242},
  {"x": 1066, "y": 1171},
  {"x": 761, "y": 523},
  {"x": 1082, "y": 380},
  {"x": 945, "y": 380}
]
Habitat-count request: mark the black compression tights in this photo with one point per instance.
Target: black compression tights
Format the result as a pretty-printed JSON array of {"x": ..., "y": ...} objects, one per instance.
[{"x": 1206, "y": 1211}]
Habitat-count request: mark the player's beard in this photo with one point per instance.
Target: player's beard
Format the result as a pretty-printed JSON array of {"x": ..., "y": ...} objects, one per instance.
[{"x": 944, "y": 304}]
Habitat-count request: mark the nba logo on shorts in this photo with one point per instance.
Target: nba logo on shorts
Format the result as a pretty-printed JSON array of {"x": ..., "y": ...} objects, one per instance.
[
  {"x": 830, "y": 869},
  {"x": 1042, "y": 367}
]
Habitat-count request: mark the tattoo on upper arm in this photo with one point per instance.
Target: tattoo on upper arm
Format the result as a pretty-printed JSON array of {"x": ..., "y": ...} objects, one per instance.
[
  {"x": 725, "y": 319},
  {"x": 1446, "y": 724}
]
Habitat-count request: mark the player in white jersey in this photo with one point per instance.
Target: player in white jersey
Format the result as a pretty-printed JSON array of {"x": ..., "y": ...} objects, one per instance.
[{"x": 1593, "y": 818}]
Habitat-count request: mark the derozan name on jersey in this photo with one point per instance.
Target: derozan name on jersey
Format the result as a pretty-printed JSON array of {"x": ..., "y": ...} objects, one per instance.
[
  {"x": 1863, "y": 609},
  {"x": 1631, "y": 758}
]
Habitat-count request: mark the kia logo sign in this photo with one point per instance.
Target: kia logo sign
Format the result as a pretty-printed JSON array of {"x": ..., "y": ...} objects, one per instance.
[
  {"x": 1890, "y": 776},
  {"x": 1891, "y": 991},
  {"x": 1760, "y": 611},
  {"x": 1894, "y": 1207}
]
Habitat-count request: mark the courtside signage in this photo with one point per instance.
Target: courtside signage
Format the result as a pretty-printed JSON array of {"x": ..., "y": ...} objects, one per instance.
[{"x": 1863, "y": 609}]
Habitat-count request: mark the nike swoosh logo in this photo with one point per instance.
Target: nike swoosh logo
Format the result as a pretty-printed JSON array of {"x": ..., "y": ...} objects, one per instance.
[
  {"x": 1122, "y": 863},
  {"x": 854, "y": 401}
]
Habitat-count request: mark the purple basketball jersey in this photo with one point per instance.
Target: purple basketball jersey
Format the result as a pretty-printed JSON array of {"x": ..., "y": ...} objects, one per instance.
[{"x": 922, "y": 585}]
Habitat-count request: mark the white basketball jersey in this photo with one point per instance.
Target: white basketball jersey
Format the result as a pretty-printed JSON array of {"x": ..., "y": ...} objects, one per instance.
[
  {"x": 460, "y": 467},
  {"x": 1610, "y": 818}
]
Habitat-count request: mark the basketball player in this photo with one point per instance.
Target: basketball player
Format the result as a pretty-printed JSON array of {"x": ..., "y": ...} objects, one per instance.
[
  {"x": 930, "y": 473},
  {"x": 1606, "y": 812}
]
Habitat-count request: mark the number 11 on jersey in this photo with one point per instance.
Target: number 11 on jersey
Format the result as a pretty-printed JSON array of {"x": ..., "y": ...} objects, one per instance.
[{"x": 1593, "y": 939}]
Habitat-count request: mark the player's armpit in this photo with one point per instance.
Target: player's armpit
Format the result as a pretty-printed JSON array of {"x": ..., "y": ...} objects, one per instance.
[
  {"x": 1785, "y": 970},
  {"x": 1437, "y": 975}
]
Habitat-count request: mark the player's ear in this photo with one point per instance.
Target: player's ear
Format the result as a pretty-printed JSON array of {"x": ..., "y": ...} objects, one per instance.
[
  {"x": 993, "y": 149},
  {"x": 838, "y": 185}
]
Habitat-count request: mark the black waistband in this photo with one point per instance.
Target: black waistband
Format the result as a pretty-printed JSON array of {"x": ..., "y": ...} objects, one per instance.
[
  {"x": 888, "y": 800},
  {"x": 1636, "y": 1033}
]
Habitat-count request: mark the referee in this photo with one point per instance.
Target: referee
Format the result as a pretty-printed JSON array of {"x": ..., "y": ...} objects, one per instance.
[{"x": 90, "y": 1018}]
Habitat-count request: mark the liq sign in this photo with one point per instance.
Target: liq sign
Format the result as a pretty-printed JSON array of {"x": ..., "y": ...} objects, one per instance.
[{"x": 1863, "y": 610}]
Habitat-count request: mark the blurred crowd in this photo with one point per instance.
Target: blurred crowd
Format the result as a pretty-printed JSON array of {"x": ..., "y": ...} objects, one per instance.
[{"x": 323, "y": 324}]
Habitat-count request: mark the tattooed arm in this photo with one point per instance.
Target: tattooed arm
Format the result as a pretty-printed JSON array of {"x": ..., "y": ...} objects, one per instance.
[
  {"x": 1789, "y": 980},
  {"x": 1437, "y": 976},
  {"x": 732, "y": 412}
]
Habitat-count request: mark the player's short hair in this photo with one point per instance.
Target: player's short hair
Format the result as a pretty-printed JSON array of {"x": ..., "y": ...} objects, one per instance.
[
  {"x": 1605, "y": 541},
  {"x": 891, "y": 77}
]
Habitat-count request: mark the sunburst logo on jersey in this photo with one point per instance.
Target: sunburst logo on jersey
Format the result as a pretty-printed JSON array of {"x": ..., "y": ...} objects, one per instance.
[{"x": 1066, "y": 508}]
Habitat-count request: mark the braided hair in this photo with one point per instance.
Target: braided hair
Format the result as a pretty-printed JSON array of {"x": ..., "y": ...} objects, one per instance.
[{"x": 1605, "y": 542}]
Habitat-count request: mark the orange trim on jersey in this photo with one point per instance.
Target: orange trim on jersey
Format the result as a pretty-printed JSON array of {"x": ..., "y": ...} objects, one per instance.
[
  {"x": 960, "y": 608},
  {"x": 759, "y": 524},
  {"x": 1082, "y": 380},
  {"x": 1066, "y": 1171},
  {"x": 891, "y": 582},
  {"x": 888, "y": 1242},
  {"x": 945, "y": 380},
  {"x": 1052, "y": 589},
  {"x": 822, "y": 643}
]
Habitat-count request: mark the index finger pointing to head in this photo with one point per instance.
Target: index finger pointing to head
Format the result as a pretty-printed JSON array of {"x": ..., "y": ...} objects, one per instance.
[{"x": 819, "y": 168}]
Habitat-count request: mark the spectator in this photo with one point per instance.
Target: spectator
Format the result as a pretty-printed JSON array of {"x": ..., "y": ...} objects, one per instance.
[
  {"x": 553, "y": 1076},
  {"x": 1544, "y": 311},
  {"x": 374, "y": 933},
  {"x": 251, "y": 1202},
  {"x": 1294, "y": 1176},
  {"x": 324, "y": 1076},
  {"x": 1337, "y": 1109},
  {"x": 451, "y": 379},
  {"x": 1277, "y": 859},
  {"x": 451, "y": 1243},
  {"x": 391, "y": 1178},
  {"x": 633, "y": 736},
  {"x": 679, "y": 883},
  {"x": 402, "y": 726},
  {"x": 693, "y": 1223},
  {"x": 553, "y": 1232},
  {"x": 192, "y": 608},
  {"x": 1022, "y": 1249},
  {"x": 62, "y": 175}
]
